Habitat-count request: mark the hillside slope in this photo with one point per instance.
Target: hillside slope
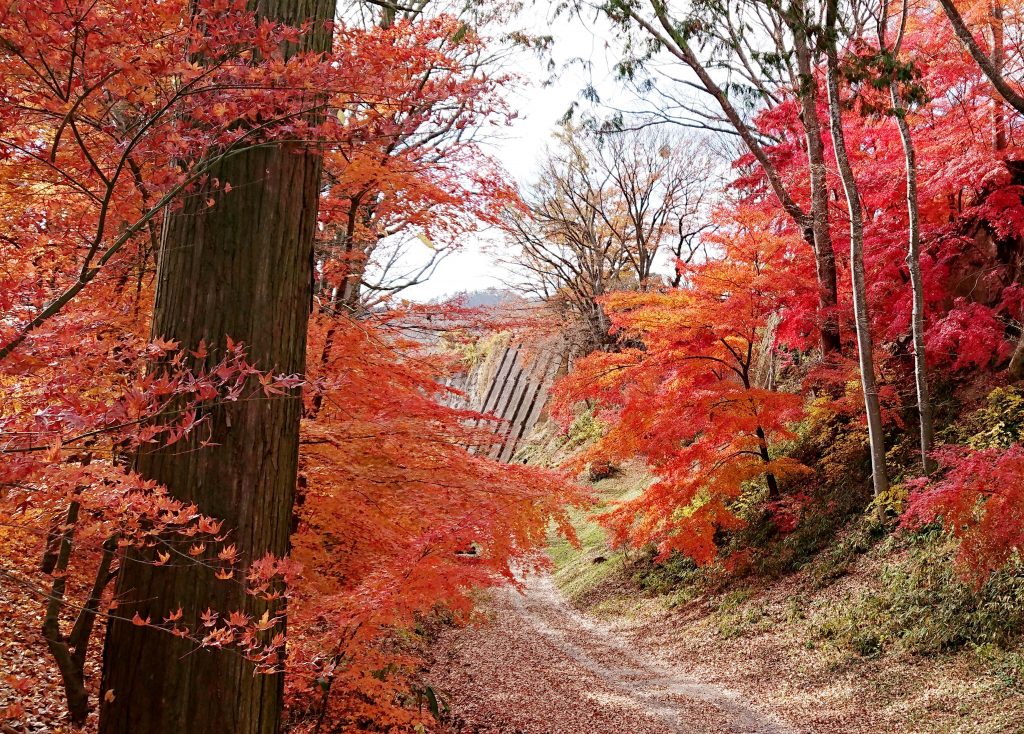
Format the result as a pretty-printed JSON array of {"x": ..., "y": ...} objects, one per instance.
[{"x": 864, "y": 638}]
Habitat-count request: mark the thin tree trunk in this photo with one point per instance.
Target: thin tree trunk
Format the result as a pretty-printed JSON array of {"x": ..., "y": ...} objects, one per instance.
[
  {"x": 862, "y": 319},
  {"x": 998, "y": 56},
  {"x": 1015, "y": 371},
  {"x": 814, "y": 226},
  {"x": 769, "y": 477},
  {"x": 325, "y": 359},
  {"x": 924, "y": 403},
  {"x": 821, "y": 233},
  {"x": 913, "y": 259},
  {"x": 72, "y": 675},
  {"x": 241, "y": 268},
  {"x": 69, "y": 651},
  {"x": 762, "y": 437}
]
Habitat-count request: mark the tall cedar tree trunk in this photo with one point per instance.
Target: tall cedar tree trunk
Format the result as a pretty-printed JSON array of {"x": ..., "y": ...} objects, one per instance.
[
  {"x": 924, "y": 401},
  {"x": 862, "y": 319},
  {"x": 241, "y": 268}
]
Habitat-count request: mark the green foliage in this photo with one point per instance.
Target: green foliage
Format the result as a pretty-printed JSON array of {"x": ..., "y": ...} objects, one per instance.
[
  {"x": 585, "y": 428},
  {"x": 889, "y": 503},
  {"x": 673, "y": 573},
  {"x": 829, "y": 511},
  {"x": 923, "y": 607},
  {"x": 836, "y": 560},
  {"x": 736, "y": 616},
  {"x": 581, "y": 570},
  {"x": 475, "y": 351},
  {"x": 1006, "y": 665},
  {"x": 835, "y": 446},
  {"x": 733, "y": 600},
  {"x": 1000, "y": 424},
  {"x": 549, "y": 445},
  {"x": 435, "y": 703},
  {"x": 870, "y": 73}
]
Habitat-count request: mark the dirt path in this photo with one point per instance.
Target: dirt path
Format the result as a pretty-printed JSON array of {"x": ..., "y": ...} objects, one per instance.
[{"x": 540, "y": 667}]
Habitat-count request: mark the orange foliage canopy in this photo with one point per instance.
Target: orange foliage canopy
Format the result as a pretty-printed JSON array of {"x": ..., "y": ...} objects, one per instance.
[
  {"x": 105, "y": 119},
  {"x": 397, "y": 514},
  {"x": 692, "y": 396}
]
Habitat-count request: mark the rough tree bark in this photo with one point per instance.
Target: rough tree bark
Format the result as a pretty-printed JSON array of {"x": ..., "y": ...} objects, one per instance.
[
  {"x": 241, "y": 268},
  {"x": 862, "y": 319}
]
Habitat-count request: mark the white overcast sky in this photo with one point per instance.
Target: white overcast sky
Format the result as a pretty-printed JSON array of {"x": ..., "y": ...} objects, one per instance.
[{"x": 519, "y": 147}]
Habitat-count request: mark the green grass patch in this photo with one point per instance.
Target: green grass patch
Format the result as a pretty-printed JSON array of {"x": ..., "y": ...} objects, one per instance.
[
  {"x": 677, "y": 574},
  {"x": 738, "y": 616},
  {"x": 579, "y": 571}
]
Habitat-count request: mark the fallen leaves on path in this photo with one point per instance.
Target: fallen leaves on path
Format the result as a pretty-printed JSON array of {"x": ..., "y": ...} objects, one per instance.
[{"x": 541, "y": 668}]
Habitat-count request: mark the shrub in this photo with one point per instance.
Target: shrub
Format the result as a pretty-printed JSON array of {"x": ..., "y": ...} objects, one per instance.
[
  {"x": 1006, "y": 665},
  {"x": 670, "y": 574},
  {"x": 924, "y": 607},
  {"x": 979, "y": 494}
]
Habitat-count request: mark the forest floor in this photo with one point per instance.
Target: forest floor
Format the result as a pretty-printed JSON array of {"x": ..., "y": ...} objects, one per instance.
[
  {"x": 31, "y": 696},
  {"x": 537, "y": 665},
  {"x": 585, "y": 650},
  {"x": 541, "y": 667}
]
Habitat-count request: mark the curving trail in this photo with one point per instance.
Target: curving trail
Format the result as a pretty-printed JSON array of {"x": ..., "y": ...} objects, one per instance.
[{"x": 540, "y": 667}]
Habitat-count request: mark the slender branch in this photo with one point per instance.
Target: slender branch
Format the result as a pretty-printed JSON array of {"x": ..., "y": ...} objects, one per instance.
[{"x": 984, "y": 61}]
